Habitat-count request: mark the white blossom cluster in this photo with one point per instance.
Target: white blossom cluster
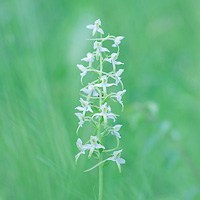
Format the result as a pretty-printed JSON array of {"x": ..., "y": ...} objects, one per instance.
[{"x": 95, "y": 109}]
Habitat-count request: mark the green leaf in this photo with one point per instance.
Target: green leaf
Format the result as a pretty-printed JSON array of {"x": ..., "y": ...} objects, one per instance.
[
  {"x": 101, "y": 120},
  {"x": 106, "y": 99}
]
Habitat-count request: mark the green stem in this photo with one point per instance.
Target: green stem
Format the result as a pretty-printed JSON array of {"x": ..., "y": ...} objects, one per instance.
[
  {"x": 100, "y": 138},
  {"x": 100, "y": 160},
  {"x": 100, "y": 178}
]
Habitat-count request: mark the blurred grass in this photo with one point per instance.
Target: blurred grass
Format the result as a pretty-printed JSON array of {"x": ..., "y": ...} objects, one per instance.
[{"x": 41, "y": 43}]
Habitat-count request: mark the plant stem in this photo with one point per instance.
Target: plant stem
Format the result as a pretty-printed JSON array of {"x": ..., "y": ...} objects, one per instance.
[
  {"x": 100, "y": 178},
  {"x": 100, "y": 166},
  {"x": 100, "y": 138}
]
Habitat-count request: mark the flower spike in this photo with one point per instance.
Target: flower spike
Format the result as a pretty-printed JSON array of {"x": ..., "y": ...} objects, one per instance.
[{"x": 95, "y": 102}]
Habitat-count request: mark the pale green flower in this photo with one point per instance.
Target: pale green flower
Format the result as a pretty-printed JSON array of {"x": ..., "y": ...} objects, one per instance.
[
  {"x": 104, "y": 84},
  {"x": 113, "y": 59},
  {"x": 94, "y": 145},
  {"x": 116, "y": 158},
  {"x": 82, "y": 119},
  {"x": 85, "y": 106},
  {"x": 90, "y": 90},
  {"x": 89, "y": 58},
  {"x": 105, "y": 113},
  {"x": 117, "y": 76},
  {"x": 119, "y": 95},
  {"x": 117, "y": 41},
  {"x": 83, "y": 69},
  {"x": 115, "y": 130},
  {"x": 81, "y": 147},
  {"x": 95, "y": 27},
  {"x": 99, "y": 49}
]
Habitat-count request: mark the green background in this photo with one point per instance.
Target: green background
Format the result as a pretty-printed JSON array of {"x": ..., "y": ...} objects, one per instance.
[{"x": 41, "y": 43}]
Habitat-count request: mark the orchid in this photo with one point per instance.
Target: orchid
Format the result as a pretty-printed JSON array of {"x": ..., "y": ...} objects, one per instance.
[
  {"x": 116, "y": 158},
  {"x": 113, "y": 59},
  {"x": 85, "y": 106},
  {"x": 104, "y": 84},
  {"x": 95, "y": 99},
  {"x": 99, "y": 49},
  {"x": 83, "y": 69},
  {"x": 95, "y": 27},
  {"x": 105, "y": 113},
  {"x": 117, "y": 41},
  {"x": 81, "y": 147},
  {"x": 89, "y": 58},
  {"x": 94, "y": 145},
  {"x": 90, "y": 90},
  {"x": 119, "y": 95},
  {"x": 115, "y": 130},
  {"x": 117, "y": 76},
  {"x": 82, "y": 119}
]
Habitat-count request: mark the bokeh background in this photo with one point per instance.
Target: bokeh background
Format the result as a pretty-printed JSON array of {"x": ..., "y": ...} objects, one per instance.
[{"x": 41, "y": 43}]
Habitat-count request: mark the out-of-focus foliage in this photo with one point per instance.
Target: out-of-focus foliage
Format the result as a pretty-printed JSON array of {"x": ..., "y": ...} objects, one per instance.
[{"x": 41, "y": 43}]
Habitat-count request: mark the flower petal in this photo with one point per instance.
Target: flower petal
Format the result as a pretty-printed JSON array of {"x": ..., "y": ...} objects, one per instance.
[
  {"x": 99, "y": 146},
  {"x": 103, "y": 49},
  {"x": 90, "y": 26},
  {"x": 120, "y": 37},
  {"x": 119, "y": 72},
  {"x": 119, "y": 63},
  {"x": 87, "y": 146},
  {"x": 111, "y": 158},
  {"x": 108, "y": 60},
  {"x": 89, "y": 109},
  {"x": 114, "y": 45},
  {"x": 81, "y": 67},
  {"x": 116, "y": 134},
  {"x": 79, "y": 108},
  {"x": 100, "y": 30},
  {"x": 79, "y": 115},
  {"x": 121, "y": 160},
  {"x": 117, "y": 127},
  {"x": 86, "y": 59},
  {"x": 111, "y": 116},
  {"x": 79, "y": 144},
  {"x": 98, "y": 21}
]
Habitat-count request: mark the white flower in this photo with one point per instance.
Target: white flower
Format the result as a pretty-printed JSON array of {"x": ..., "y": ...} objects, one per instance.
[
  {"x": 113, "y": 59},
  {"x": 105, "y": 113},
  {"x": 89, "y": 58},
  {"x": 104, "y": 84},
  {"x": 117, "y": 76},
  {"x": 82, "y": 119},
  {"x": 90, "y": 90},
  {"x": 95, "y": 27},
  {"x": 117, "y": 41},
  {"x": 99, "y": 48},
  {"x": 83, "y": 69},
  {"x": 85, "y": 106},
  {"x": 81, "y": 147},
  {"x": 116, "y": 158},
  {"x": 98, "y": 45},
  {"x": 118, "y": 95},
  {"x": 94, "y": 145},
  {"x": 115, "y": 130}
]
